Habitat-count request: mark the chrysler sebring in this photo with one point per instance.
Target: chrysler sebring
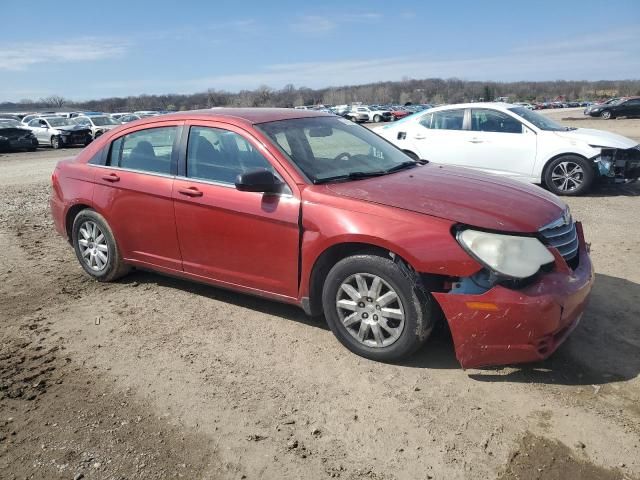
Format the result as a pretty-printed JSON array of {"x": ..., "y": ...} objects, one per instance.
[{"x": 314, "y": 210}]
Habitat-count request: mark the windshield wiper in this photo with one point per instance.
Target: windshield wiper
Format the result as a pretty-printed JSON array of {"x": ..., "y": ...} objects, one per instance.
[
  {"x": 351, "y": 176},
  {"x": 405, "y": 165},
  {"x": 375, "y": 173}
]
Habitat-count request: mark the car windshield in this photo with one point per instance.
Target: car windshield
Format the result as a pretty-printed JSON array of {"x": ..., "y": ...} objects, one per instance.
[
  {"x": 540, "y": 121},
  {"x": 7, "y": 122},
  {"x": 59, "y": 121},
  {"x": 334, "y": 149},
  {"x": 101, "y": 121}
]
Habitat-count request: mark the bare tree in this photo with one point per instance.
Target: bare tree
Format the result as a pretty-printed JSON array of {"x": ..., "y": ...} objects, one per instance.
[{"x": 54, "y": 101}]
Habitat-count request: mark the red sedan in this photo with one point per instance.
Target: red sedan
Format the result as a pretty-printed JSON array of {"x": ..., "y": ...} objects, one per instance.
[{"x": 311, "y": 209}]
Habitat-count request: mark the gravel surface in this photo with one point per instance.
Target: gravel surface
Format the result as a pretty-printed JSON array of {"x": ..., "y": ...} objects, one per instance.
[{"x": 153, "y": 377}]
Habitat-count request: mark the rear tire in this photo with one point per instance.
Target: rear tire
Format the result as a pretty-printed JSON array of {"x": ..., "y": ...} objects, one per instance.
[
  {"x": 569, "y": 175},
  {"x": 377, "y": 308},
  {"x": 96, "y": 247}
]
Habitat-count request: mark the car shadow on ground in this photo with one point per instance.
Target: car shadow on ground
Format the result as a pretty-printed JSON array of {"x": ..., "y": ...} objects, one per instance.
[
  {"x": 262, "y": 305},
  {"x": 604, "y": 348},
  {"x": 615, "y": 190}
]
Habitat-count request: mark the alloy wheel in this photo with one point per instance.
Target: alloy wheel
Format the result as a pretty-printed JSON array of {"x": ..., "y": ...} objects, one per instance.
[
  {"x": 93, "y": 246},
  {"x": 370, "y": 310},
  {"x": 567, "y": 176}
]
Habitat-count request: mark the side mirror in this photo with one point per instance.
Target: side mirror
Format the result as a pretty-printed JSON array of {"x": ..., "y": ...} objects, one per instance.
[{"x": 258, "y": 181}]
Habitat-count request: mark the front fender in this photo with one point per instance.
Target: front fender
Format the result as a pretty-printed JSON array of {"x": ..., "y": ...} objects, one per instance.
[{"x": 425, "y": 242}]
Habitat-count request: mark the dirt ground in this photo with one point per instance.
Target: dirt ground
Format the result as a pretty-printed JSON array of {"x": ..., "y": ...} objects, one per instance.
[{"x": 158, "y": 378}]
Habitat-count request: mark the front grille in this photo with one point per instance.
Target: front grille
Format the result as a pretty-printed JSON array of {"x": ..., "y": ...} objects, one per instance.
[{"x": 563, "y": 236}]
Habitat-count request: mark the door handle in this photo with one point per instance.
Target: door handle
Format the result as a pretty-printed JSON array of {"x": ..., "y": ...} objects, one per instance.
[
  {"x": 112, "y": 177},
  {"x": 475, "y": 140},
  {"x": 190, "y": 192},
  {"x": 419, "y": 136}
]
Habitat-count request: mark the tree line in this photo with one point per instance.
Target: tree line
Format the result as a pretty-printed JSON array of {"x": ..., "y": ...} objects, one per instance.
[{"x": 431, "y": 90}]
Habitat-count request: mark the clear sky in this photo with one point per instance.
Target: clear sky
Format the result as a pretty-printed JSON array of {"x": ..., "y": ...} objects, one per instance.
[{"x": 85, "y": 50}]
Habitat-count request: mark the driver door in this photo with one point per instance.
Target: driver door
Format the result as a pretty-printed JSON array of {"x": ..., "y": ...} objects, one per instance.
[{"x": 500, "y": 144}]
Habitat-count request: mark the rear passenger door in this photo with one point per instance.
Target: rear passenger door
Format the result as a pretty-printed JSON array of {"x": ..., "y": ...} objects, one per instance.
[
  {"x": 437, "y": 136},
  {"x": 246, "y": 239},
  {"x": 134, "y": 193}
]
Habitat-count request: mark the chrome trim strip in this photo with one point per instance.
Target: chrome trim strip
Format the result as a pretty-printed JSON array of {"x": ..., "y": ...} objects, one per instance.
[{"x": 145, "y": 172}]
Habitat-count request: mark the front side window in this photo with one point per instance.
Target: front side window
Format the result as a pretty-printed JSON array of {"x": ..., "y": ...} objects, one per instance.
[
  {"x": 334, "y": 149},
  {"x": 221, "y": 155},
  {"x": 444, "y": 120},
  {"x": 541, "y": 121},
  {"x": 146, "y": 150},
  {"x": 34, "y": 123},
  {"x": 484, "y": 120}
]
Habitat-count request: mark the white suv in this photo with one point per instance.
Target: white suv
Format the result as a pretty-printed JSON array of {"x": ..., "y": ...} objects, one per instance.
[
  {"x": 513, "y": 141},
  {"x": 368, "y": 114}
]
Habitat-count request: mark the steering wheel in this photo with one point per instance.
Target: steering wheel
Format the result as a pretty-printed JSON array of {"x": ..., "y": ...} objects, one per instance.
[{"x": 343, "y": 156}]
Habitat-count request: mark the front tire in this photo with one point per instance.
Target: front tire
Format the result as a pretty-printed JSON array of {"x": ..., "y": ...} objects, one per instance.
[
  {"x": 55, "y": 142},
  {"x": 569, "y": 175},
  {"x": 96, "y": 247},
  {"x": 376, "y": 308},
  {"x": 376, "y": 119},
  {"x": 606, "y": 114}
]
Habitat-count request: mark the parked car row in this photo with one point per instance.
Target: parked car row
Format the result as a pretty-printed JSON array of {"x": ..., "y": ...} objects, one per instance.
[
  {"x": 360, "y": 113},
  {"x": 60, "y": 129}
]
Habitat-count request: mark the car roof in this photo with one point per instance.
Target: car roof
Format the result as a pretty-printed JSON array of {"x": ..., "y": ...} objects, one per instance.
[{"x": 247, "y": 115}]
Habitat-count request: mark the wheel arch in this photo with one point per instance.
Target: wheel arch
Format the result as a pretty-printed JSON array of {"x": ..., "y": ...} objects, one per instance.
[
  {"x": 557, "y": 156},
  {"x": 338, "y": 251},
  {"x": 70, "y": 216}
]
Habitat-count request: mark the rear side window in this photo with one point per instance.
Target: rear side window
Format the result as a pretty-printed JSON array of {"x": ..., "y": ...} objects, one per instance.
[
  {"x": 444, "y": 120},
  {"x": 483, "y": 120},
  {"x": 146, "y": 150},
  {"x": 220, "y": 155}
]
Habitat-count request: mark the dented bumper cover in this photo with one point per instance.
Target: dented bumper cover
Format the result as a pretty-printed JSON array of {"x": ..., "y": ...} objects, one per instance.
[{"x": 524, "y": 325}]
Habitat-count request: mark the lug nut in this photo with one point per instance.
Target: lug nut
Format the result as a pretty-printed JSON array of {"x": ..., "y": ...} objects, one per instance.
[
  {"x": 377, "y": 307},
  {"x": 365, "y": 315},
  {"x": 369, "y": 299},
  {"x": 361, "y": 304},
  {"x": 375, "y": 317}
]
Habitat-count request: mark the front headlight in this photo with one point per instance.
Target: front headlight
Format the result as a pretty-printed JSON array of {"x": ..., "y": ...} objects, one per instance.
[{"x": 518, "y": 257}]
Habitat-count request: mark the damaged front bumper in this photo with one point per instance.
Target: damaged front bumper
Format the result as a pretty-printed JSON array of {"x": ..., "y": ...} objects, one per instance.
[
  {"x": 505, "y": 326},
  {"x": 618, "y": 165}
]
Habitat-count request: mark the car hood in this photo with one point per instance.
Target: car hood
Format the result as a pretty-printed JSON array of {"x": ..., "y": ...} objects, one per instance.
[
  {"x": 598, "y": 137},
  {"x": 460, "y": 195},
  {"x": 14, "y": 131},
  {"x": 72, "y": 128}
]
